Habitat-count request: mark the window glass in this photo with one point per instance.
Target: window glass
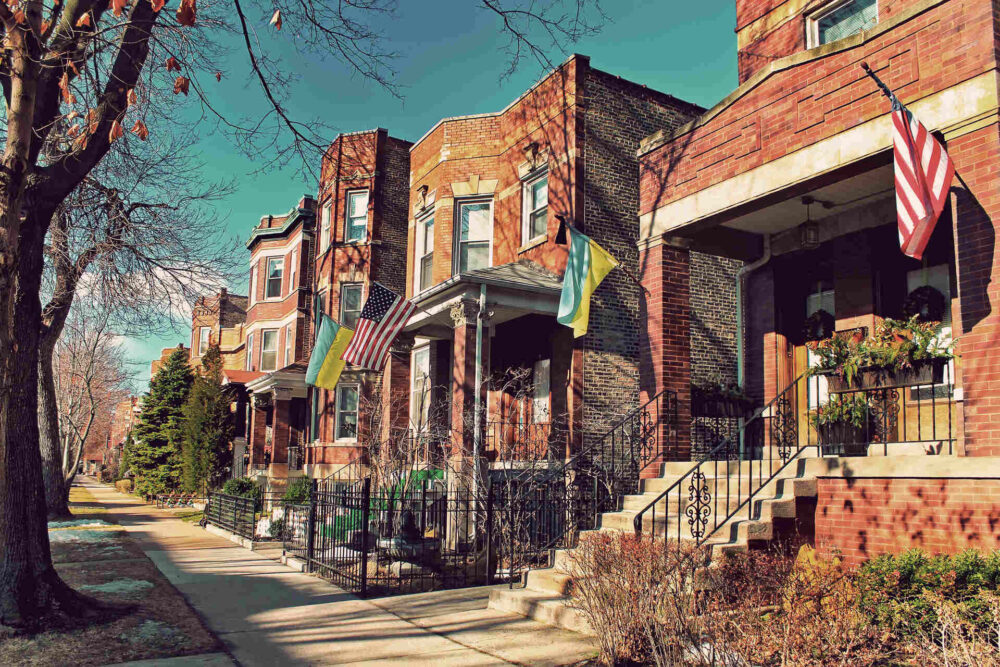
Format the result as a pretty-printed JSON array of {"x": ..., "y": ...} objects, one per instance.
[
  {"x": 269, "y": 350},
  {"x": 845, "y": 20},
  {"x": 540, "y": 399},
  {"x": 275, "y": 269},
  {"x": 474, "y": 236},
  {"x": 321, "y": 305},
  {"x": 357, "y": 216},
  {"x": 420, "y": 389},
  {"x": 536, "y": 208},
  {"x": 203, "y": 340},
  {"x": 325, "y": 233},
  {"x": 289, "y": 337},
  {"x": 347, "y": 412},
  {"x": 350, "y": 304},
  {"x": 292, "y": 271},
  {"x": 425, "y": 253},
  {"x": 249, "y": 352}
]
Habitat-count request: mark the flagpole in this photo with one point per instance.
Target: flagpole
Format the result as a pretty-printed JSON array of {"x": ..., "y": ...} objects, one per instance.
[{"x": 878, "y": 82}]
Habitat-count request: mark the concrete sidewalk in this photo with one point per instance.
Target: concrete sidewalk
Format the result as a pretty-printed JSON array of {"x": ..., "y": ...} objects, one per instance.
[{"x": 268, "y": 614}]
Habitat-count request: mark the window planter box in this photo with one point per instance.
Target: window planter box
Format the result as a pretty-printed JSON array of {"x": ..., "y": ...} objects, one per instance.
[
  {"x": 708, "y": 407},
  {"x": 928, "y": 372},
  {"x": 843, "y": 439}
]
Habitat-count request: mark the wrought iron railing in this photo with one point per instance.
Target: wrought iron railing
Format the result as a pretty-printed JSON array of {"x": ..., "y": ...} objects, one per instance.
[
  {"x": 236, "y": 514},
  {"x": 816, "y": 414}
]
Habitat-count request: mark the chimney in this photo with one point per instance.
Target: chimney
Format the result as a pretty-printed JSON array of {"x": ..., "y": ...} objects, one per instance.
[{"x": 307, "y": 203}]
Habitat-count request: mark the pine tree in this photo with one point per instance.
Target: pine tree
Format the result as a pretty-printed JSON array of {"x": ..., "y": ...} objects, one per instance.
[
  {"x": 124, "y": 464},
  {"x": 156, "y": 456},
  {"x": 208, "y": 427}
]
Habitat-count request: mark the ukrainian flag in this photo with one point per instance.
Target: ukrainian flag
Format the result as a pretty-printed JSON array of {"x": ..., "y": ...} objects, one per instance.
[
  {"x": 588, "y": 264},
  {"x": 325, "y": 364}
]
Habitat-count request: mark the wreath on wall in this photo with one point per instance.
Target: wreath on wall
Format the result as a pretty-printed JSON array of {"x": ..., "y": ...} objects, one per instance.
[
  {"x": 818, "y": 326},
  {"x": 926, "y": 303}
]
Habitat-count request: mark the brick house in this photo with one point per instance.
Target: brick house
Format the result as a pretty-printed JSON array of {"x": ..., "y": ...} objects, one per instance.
[
  {"x": 165, "y": 353},
  {"x": 277, "y": 336},
  {"x": 219, "y": 320},
  {"x": 485, "y": 193},
  {"x": 792, "y": 173},
  {"x": 361, "y": 239}
]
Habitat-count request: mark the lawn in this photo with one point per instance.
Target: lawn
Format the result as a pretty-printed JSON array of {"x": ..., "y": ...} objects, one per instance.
[{"x": 141, "y": 615}]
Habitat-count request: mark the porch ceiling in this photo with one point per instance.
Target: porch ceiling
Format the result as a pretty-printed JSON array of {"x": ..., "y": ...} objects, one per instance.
[{"x": 833, "y": 199}]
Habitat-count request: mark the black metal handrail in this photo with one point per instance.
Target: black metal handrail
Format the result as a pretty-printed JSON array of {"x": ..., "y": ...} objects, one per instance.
[{"x": 886, "y": 411}]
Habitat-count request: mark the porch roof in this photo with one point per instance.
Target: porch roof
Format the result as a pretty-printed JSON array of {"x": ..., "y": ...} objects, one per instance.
[
  {"x": 288, "y": 382},
  {"x": 514, "y": 289}
]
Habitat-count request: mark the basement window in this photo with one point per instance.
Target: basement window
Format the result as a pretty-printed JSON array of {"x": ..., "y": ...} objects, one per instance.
[{"x": 840, "y": 19}]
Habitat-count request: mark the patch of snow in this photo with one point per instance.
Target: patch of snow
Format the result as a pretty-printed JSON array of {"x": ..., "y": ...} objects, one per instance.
[
  {"x": 119, "y": 586},
  {"x": 153, "y": 632},
  {"x": 71, "y": 536},
  {"x": 78, "y": 523}
]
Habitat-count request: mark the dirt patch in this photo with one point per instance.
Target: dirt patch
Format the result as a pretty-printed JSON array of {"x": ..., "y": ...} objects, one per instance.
[{"x": 140, "y": 615}]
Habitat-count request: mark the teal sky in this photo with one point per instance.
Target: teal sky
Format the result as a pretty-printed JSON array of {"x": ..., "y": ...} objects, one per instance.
[{"x": 450, "y": 64}]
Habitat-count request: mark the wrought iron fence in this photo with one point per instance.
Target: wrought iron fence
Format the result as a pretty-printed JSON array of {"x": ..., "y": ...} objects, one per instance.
[
  {"x": 818, "y": 415},
  {"x": 236, "y": 514},
  {"x": 386, "y": 541}
]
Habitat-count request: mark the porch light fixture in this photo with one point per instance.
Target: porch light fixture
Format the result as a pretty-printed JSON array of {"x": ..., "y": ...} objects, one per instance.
[{"x": 808, "y": 230}]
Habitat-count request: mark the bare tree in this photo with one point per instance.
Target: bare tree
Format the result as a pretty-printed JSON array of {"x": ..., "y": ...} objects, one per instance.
[
  {"x": 79, "y": 76},
  {"x": 89, "y": 378}
]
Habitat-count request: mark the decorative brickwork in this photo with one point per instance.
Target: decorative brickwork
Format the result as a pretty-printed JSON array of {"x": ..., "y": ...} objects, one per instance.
[{"x": 863, "y": 518}]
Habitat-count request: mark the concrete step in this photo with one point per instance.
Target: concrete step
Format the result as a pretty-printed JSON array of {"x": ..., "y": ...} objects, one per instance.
[
  {"x": 745, "y": 481},
  {"x": 543, "y": 606},
  {"x": 771, "y": 457},
  {"x": 549, "y": 579}
]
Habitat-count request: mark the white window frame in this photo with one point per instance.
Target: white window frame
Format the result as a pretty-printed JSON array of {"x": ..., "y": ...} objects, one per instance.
[
  {"x": 249, "y": 352},
  {"x": 419, "y": 422},
  {"x": 337, "y": 413},
  {"x": 253, "y": 284},
  {"x": 326, "y": 229},
  {"x": 288, "y": 344},
  {"x": 347, "y": 215},
  {"x": 263, "y": 339},
  {"x": 268, "y": 278},
  {"x": 457, "y": 232},
  {"x": 292, "y": 270},
  {"x": 418, "y": 259},
  {"x": 526, "y": 185},
  {"x": 361, "y": 303},
  {"x": 813, "y": 19},
  {"x": 204, "y": 340}
]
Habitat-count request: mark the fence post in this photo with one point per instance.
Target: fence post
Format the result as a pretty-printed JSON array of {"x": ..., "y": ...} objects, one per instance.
[
  {"x": 311, "y": 531},
  {"x": 365, "y": 516},
  {"x": 235, "y": 509},
  {"x": 489, "y": 536}
]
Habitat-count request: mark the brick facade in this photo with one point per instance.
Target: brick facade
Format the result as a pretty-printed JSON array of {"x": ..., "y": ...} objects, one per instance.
[
  {"x": 867, "y": 517},
  {"x": 224, "y": 314}
]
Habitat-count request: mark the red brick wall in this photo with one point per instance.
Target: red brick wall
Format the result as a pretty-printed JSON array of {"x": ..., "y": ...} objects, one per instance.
[
  {"x": 818, "y": 99},
  {"x": 863, "y": 518}
]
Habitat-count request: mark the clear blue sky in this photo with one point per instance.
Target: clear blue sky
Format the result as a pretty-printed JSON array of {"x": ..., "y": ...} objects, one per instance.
[{"x": 451, "y": 63}]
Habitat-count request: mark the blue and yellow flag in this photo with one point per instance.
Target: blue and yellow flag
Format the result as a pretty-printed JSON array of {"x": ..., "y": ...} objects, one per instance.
[
  {"x": 588, "y": 264},
  {"x": 325, "y": 364}
]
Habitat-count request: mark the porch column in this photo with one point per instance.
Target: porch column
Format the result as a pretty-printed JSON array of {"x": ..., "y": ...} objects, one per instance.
[
  {"x": 976, "y": 318},
  {"x": 665, "y": 342},
  {"x": 257, "y": 434},
  {"x": 463, "y": 375},
  {"x": 281, "y": 425},
  {"x": 395, "y": 389}
]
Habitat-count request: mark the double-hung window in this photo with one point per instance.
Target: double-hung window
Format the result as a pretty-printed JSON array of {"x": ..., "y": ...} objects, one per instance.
[
  {"x": 535, "y": 215},
  {"x": 420, "y": 388},
  {"x": 475, "y": 232},
  {"x": 289, "y": 336},
  {"x": 204, "y": 335},
  {"x": 356, "y": 224},
  {"x": 325, "y": 232},
  {"x": 269, "y": 350},
  {"x": 347, "y": 412},
  {"x": 840, "y": 19},
  {"x": 320, "y": 305},
  {"x": 424, "y": 257},
  {"x": 350, "y": 304},
  {"x": 275, "y": 270},
  {"x": 293, "y": 269},
  {"x": 253, "y": 285},
  {"x": 248, "y": 352}
]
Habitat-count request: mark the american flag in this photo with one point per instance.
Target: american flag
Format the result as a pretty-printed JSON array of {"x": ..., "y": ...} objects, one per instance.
[
  {"x": 384, "y": 314},
  {"x": 923, "y": 178}
]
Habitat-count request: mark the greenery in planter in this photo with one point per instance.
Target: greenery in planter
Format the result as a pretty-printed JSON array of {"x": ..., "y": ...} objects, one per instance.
[
  {"x": 846, "y": 409},
  {"x": 718, "y": 391},
  {"x": 276, "y": 530},
  {"x": 895, "y": 345}
]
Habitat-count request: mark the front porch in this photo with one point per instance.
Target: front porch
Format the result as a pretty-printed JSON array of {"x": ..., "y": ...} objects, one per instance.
[
  {"x": 277, "y": 419},
  {"x": 824, "y": 285}
]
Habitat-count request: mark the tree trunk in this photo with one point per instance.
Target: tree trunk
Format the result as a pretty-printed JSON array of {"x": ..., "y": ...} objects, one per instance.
[{"x": 56, "y": 491}]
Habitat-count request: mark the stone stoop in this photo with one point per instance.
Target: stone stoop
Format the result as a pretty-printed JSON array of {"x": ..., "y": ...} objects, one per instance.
[{"x": 545, "y": 595}]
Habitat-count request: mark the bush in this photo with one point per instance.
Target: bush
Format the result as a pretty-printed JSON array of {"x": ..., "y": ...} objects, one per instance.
[
  {"x": 277, "y": 529},
  {"x": 124, "y": 485},
  {"x": 298, "y": 491},
  {"x": 244, "y": 487}
]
